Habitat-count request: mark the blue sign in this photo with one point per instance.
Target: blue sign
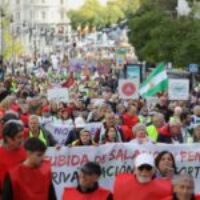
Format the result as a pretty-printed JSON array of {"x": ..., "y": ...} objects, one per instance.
[
  {"x": 133, "y": 72},
  {"x": 193, "y": 68}
]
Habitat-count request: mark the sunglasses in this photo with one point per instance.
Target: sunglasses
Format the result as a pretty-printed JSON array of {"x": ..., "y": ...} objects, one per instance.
[{"x": 146, "y": 167}]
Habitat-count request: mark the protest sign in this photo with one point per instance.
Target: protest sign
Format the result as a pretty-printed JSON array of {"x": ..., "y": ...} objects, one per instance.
[
  {"x": 178, "y": 89},
  {"x": 133, "y": 72},
  {"x": 120, "y": 55},
  {"x": 129, "y": 89},
  {"x": 60, "y": 132},
  {"x": 97, "y": 101},
  {"x": 114, "y": 159},
  {"x": 58, "y": 94},
  {"x": 151, "y": 102}
]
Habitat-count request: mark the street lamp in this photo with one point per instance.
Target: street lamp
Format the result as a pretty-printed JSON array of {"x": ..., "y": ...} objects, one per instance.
[
  {"x": 35, "y": 43},
  {"x": 13, "y": 60},
  {"x": 2, "y": 15}
]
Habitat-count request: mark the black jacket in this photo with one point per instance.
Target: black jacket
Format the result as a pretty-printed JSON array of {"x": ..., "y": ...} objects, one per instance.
[{"x": 169, "y": 139}]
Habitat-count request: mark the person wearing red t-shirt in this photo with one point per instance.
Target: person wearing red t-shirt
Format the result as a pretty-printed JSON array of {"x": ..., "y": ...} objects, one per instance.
[
  {"x": 11, "y": 115},
  {"x": 130, "y": 118},
  {"x": 69, "y": 82},
  {"x": 32, "y": 179},
  {"x": 142, "y": 185},
  {"x": 11, "y": 152},
  {"x": 88, "y": 187}
]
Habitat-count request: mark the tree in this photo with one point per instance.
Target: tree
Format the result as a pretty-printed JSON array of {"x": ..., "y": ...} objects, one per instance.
[
  {"x": 95, "y": 14},
  {"x": 158, "y": 36},
  {"x": 141, "y": 27},
  {"x": 113, "y": 13},
  {"x": 128, "y": 6},
  {"x": 92, "y": 13},
  {"x": 11, "y": 45}
]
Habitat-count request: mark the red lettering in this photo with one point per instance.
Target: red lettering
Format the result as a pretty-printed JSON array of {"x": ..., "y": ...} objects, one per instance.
[
  {"x": 61, "y": 161},
  {"x": 183, "y": 155},
  {"x": 98, "y": 159},
  {"x": 191, "y": 156},
  {"x": 112, "y": 155},
  {"x": 84, "y": 159},
  {"x": 197, "y": 156},
  {"x": 75, "y": 160},
  {"x": 119, "y": 155}
]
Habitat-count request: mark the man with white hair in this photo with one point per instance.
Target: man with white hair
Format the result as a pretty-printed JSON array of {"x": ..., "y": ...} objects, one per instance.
[
  {"x": 183, "y": 188},
  {"x": 171, "y": 133},
  {"x": 158, "y": 121},
  {"x": 142, "y": 185},
  {"x": 177, "y": 113}
]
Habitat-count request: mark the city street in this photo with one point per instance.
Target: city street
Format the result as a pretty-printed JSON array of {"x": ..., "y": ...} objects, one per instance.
[{"x": 99, "y": 100}]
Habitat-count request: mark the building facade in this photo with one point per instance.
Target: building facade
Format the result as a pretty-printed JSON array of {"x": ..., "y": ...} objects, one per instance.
[
  {"x": 42, "y": 25},
  {"x": 183, "y": 8}
]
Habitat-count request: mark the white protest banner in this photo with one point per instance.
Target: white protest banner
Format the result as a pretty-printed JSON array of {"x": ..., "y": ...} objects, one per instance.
[
  {"x": 178, "y": 89},
  {"x": 114, "y": 159},
  {"x": 151, "y": 102},
  {"x": 61, "y": 131},
  {"x": 58, "y": 131},
  {"x": 129, "y": 89},
  {"x": 58, "y": 94}
]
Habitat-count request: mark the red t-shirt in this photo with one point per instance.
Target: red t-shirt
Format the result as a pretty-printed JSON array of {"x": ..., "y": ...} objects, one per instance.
[
  {"x": 130, "y": 121},
  {"x": 157, "y": 189},
  {"x": 8, "y": 160}
]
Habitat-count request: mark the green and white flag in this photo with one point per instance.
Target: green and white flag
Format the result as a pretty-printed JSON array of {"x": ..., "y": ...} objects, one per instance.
[{"x": 156, "y": 82}]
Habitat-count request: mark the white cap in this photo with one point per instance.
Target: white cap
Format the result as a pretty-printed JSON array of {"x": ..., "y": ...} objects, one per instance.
[
  {"x": 80, "y": 122},
  {"x": 144, "y": 159}
]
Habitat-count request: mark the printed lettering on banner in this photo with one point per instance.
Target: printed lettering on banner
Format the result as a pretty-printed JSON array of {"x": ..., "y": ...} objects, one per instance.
[
  {"x": 58, "y": 94},
  {"x": 114, "y": 159},
  {"x": 60, "y": 132}
]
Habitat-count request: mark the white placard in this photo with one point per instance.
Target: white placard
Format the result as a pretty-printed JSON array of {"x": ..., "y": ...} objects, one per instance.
[
  {"x": 151, "y": 102},
  {"x": 58, "y": 94},
  {"x": 178, "y": 89},
  {"x": 60, "y": 132}
]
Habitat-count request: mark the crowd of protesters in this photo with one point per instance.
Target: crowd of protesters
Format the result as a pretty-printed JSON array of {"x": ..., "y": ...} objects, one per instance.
[{"x": 93, "y": 97}]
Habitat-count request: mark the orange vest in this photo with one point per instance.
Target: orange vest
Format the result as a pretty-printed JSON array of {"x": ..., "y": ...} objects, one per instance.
[
  {"x": 127, "y": 187},
  {"x": 74, "y": 194},
  {"x": 31, "y": 183}
]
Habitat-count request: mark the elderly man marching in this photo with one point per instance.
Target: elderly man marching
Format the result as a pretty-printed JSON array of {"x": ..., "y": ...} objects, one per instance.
[{"x": 141, "y": 185}]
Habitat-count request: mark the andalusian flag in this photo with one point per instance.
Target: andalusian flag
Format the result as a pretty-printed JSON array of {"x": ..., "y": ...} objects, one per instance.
[{"x": 156, "y": 82}]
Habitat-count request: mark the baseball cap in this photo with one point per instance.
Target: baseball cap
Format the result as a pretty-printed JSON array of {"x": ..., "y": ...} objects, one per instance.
[
  {"x": 144, "y": 159},
  {"x": 80, "y": 122},
  {"x": 91, "y": 168}
]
